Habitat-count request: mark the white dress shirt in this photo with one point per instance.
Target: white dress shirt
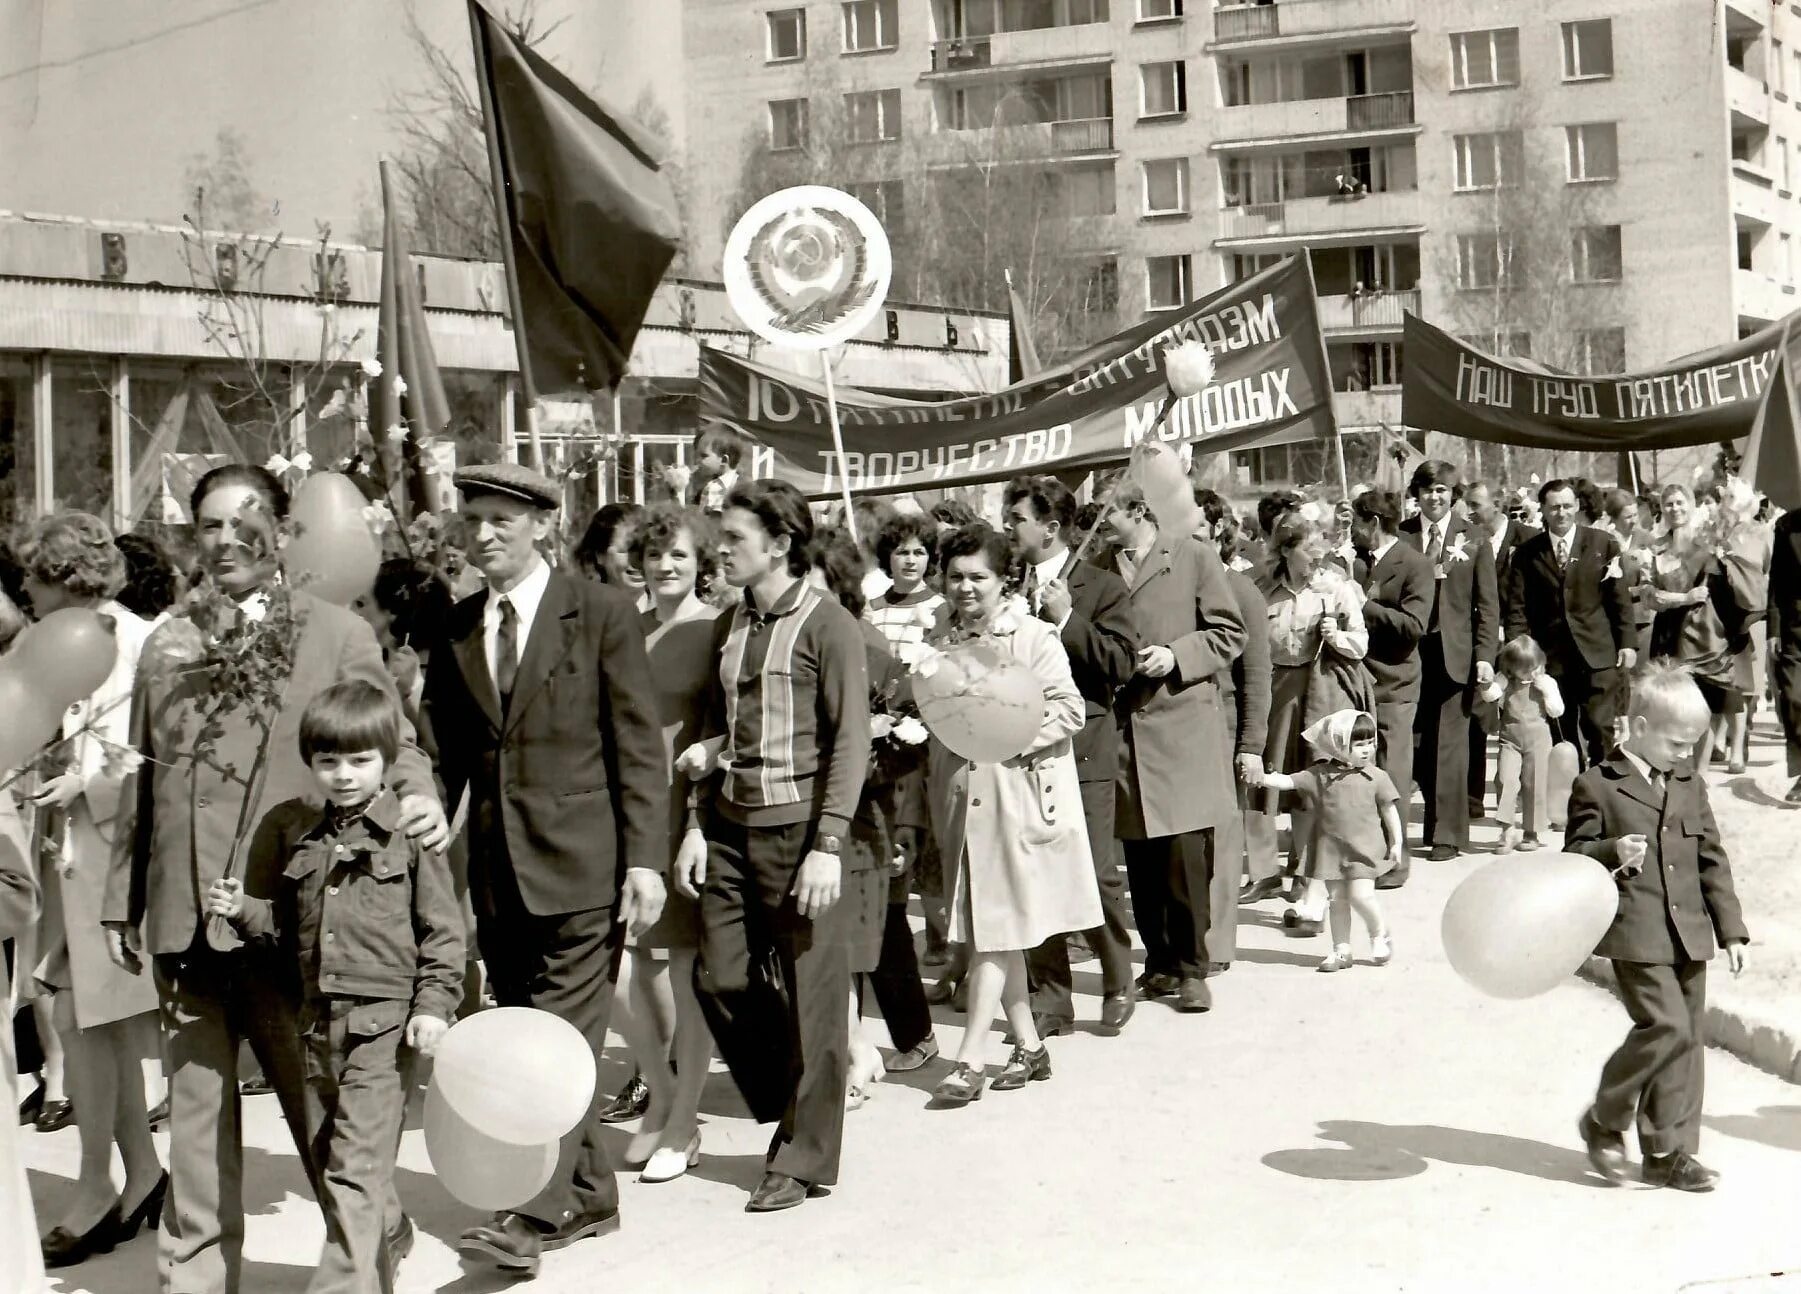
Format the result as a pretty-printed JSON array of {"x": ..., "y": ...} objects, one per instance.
[
  {"x": 1497, "y": 536},
  {"x": 1561, "y": 545},
  {"x": 1051, "y": 568},
  {"x": 525, "y": 597},
  {"x": 1378, "y": 553}
]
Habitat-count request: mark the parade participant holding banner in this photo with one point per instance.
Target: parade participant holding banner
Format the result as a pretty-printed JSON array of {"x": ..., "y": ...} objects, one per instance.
[
  {"x": 215, "y": 760},
  {"x": 544, "y": 714}
]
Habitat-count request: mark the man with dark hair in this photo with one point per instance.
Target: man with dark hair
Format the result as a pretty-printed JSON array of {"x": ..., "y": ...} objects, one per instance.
[
  {"x": 1567, "y": 588},
  {"x": 1093, "y": 614},
  {"x": 1398, "y": 585},
  {"x": 1457, "y": 654},
  {"x": 789, "y": 724},
  {"x": 1487, "y": 508},
  {"x": 1176, "y": 784}
]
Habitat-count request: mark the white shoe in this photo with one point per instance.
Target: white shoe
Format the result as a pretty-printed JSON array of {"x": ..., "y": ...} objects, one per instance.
[
  {"x": 1382, "y": 949},
  {"x": 666, "y": 1163},
  {"x": 1338, "y": 959}
]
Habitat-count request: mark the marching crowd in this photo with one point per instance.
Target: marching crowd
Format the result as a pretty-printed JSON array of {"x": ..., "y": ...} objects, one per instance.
[{"x": 676, "y": 784}]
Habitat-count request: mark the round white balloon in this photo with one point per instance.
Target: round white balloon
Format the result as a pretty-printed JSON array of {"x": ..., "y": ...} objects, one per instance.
[
  {"x": 808, "y": 267},
  {"x": 516, "y": 1074}
]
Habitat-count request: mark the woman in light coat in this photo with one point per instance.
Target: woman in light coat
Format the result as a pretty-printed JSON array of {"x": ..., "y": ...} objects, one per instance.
[
  {"x": 104, "y": 1016},
  {"x": 1015, "y": 830}
]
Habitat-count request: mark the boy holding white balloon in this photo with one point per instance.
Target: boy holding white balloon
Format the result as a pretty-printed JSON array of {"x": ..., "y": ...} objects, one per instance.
[
  {"x": 1644, "y": 815},
  {"x": 373, "y": 922}
]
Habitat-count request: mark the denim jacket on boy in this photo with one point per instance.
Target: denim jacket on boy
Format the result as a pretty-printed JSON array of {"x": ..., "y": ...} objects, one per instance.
[{"x": 366, "y": 912}]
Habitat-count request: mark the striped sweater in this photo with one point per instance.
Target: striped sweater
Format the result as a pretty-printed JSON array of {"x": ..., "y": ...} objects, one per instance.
[{"x": 793, "y": 705}]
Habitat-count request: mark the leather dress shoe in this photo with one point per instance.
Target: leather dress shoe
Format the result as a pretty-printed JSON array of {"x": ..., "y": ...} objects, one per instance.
[
  {"x": 1194, "y": 995},
  {"x": 1023, "y": 1067},
  {"x": 63, "y": 1248},
  {"x": 1047, "y": 1025},
  {"x": 1442, "y": 853},
  {"x": 631, "y": 1103},
  {"x": 1155, "y": 984},
  {"x": 1257, "y": 891},
  {"x": 905, "y": 1062},
  {"x": 55, "y": 1116},
  {"x": 1116, "y": 1009},
  {"x": 1393, "y": 880},
  {"x": 579, "y": 1226},
  {"x": 1606, "y": 1150},
  {"x": 778, "y": 1191},
  {"x": 1680, "y": 1172},
  {"x": 1296, "y": 926},
  {"x": 512, "y": 1241}
]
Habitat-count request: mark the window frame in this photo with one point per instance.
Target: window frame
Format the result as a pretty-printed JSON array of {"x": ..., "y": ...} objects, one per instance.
[
  {"x": 803, "y": 123},
  {"x": 887, "y": 41},
  {"x": 1180, "y": 88},
  {"x": 1146, "y": 20},
  {"x": 1460, "y": 59},
  {"x": 770, "y": 17},
  {"x": 1501, "y": 155},
  {"x": 1572, "y": 49},
  {"x": 1585, "y": 339},
  {"x": 1184, "y": 191},
  {"x": 1185, "y": 262},
  {"x": 1467, "y": 246},
  {"x": 881, "y": 98},
  {"x": 883, "y": 210},
  {"x": 1582, "y": 259},
  {"x": 1572, "y": 147}
]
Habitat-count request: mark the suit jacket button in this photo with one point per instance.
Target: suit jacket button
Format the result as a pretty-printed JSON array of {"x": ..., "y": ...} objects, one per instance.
[{"x": 202, "y": 802}]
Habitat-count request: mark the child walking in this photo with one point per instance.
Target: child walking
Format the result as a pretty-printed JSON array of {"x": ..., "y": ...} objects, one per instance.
[
  {"x": 1645, "y": 815},
  {"x": 1356, "y": 828},
  {"x": 373, "y": 924},
  {"x": 1519, "y": 706}
]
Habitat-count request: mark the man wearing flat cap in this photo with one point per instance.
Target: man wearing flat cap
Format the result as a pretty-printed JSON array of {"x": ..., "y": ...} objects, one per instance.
[{"x": 541, "y": 711}]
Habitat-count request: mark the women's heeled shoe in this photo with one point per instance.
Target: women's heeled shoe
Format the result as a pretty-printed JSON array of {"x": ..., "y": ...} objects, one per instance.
[
  {"x": 961, "y": 1086},
  {"x": 149, "y": 1213},
  {"x": 667, "y": 1163},
  {"x": 63, "y": 1248},
  {"x": 1024, "y": 1067},
  {"x": 944, "y": 990},
  {"x": 55, "y": 1116}
]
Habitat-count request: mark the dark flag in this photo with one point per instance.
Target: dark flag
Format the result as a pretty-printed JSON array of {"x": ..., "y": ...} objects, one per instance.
[
  {"x": 1772, "y": 461},
  {"x": 1022, "y": 351},
  {"x": 409, "y": 408},
  {"x": 587, "y": 217}
]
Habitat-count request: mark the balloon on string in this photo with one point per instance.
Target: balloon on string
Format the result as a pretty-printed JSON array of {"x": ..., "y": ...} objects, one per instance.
[
  {"x": 807, "y": 267},
  {"x": 1559, "y": 777},
  {"x": 516, "y": 1074},
  {"x": 1521, "y": 926},
  {"x": 980, "y": 702},
  {"x": 481, "y": 1171},
  {"x": 29, "y": 716},
  {"x": 68, "y": 654},
  {"x": 332, "y": 552}
]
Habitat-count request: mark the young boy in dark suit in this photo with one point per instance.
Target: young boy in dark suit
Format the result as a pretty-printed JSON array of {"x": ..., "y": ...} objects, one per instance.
[{"x": 1644, "y": 815}]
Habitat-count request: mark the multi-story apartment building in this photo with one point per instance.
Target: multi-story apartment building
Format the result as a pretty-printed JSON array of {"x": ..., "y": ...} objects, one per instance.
[{"x": 1600, "y": 186}]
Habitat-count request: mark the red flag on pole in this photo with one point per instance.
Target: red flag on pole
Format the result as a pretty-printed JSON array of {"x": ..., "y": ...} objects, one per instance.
[
  {"x": 1772, "y": 461},
  {"x": 588, "y": 219},
  {"x": 1022, "y": 351},
  {"x": 409, "y": 407}
]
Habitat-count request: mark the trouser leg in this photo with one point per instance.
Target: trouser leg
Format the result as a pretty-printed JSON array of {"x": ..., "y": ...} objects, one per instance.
[{"x": 354, "y": 1074}]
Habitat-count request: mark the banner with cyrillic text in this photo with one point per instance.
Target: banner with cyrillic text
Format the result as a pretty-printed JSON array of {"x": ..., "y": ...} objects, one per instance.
[
  {"x": 1270, "y": 385},
  {"x": 1697, "y": 400}
]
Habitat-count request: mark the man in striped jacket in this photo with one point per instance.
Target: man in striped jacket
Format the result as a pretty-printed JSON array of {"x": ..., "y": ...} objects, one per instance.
[{"x": 790, "y": 728}]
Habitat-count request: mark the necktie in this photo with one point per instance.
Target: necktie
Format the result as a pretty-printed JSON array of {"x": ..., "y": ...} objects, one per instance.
[
  {"x": 506, "y": 652},
  {"x": 1032, "y": 587},
  {"x": 1562, "y": 548},
  {"x": 1435, "y": 550}
]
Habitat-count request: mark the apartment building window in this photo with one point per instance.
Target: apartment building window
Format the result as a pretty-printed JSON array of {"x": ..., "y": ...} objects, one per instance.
[
  {"x": 1595, "y": 254},
  {"x": 787, "y": 125},
  {"x": 1506, "y": 342},
  {"x": 1035, "y": 15},
  {"x": 885, "y": 198},
  {"x": 1782, "y": 162},
  {"x": 1601, "y": 350},
  {"x": 1243, "y": 265},
  {"x": 874, "y": 116},
  {"x": 1486, "y": 262},
  {"x": 1488, "y": 161},
  {"x": 1588, "y": 50},
  {"x": 1159, "y": 10},
  {"x": 787, "y": 29},
  {"x": 1481, "y": 59},
  {"x": 1594, "y": 151},
  {"x": 1787, "y": 247},
  {"x": 1166, "y": 187},
  {"x": 1086, "y": 190},
  {"x": 1167, "y": 280},
  {"x": 871, "y": 25},
  {"x": 1099, "y": 286},
  {"x": 1164, "y": 89},
  {"x": 1746, "y": 242},
  {"x": 1778, "y": 70}
]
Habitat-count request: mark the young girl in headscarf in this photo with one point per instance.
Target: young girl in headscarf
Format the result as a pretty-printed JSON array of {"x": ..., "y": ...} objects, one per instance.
[{"x": 1356, "y": 827}]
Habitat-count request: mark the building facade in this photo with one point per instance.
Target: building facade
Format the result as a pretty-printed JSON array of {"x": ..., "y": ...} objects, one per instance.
[{"x": 1599, "y": 187}]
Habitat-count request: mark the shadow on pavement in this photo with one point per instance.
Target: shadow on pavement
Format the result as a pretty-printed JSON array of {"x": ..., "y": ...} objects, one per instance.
[
  {"x": 1277, "y": 957},
  {"x": 1381, "y": 1152},
  {"x": 1773, "y": 1125},
  {"x": 1747, "y": 789},
  {"x": 741, "y": 1171}
]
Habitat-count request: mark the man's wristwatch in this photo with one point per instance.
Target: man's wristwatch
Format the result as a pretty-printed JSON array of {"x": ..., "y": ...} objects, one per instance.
[{"x": 827, "y": 845}]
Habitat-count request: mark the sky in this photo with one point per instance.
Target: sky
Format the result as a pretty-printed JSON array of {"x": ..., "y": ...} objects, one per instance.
[{"x": 104, "y": 102}]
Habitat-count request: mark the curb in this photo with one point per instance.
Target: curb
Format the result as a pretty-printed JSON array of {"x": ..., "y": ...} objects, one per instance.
[{"x": 1759, "y": 1042}]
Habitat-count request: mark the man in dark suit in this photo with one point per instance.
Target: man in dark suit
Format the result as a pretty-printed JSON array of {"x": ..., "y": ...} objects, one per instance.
[
  {"x": 1398, "y": 585},
  {"x": 543, "y": 712},
  {"x": 1457, "y": 655},
  {"x": 1783, "y": 624},
  {"x": 1645, "y": 816},
  {"x": 1503, "y": 533},
  {"x": 1093, "y": 613},
  {"x": 1567, "y": 589}
]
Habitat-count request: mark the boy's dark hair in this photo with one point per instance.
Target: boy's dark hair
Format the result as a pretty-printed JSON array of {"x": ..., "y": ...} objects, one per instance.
[
  {"x": 350, "y": 717},
  {"x": 1051, "y": 500},
  {"x": 835, "y": 555},
  {"x": 1363, "y": 728},
  {"x": 718, "y": 440},
  {"x": 1436, "y": 471},
  {"x": 1520, "y": 655},
  {"x": 901, "y": 528},
  {"x": 782, "y": 511}
]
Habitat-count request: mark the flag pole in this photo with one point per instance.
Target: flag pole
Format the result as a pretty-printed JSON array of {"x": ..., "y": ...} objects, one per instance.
[
  {"x": 831, "y": 404},
  {"x": 1344, "y": 477},
  {"x": 503, "y": 215}
]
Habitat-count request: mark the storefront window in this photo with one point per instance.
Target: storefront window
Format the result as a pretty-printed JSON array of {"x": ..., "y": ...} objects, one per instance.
[
  {"x": 18, "y": 454},
  {"x": 82, "y": 435}
]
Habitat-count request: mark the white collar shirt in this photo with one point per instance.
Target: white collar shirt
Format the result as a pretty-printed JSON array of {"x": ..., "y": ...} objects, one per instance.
[
  {"x": 526, "y": 596},
  {"x": 1498, "y": 536},
  {"x": 1379, "y": 552}
]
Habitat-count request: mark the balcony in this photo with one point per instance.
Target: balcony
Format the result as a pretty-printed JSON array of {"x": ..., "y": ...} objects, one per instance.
[
  {"x": 1761, "y": 298},
  {"x": 1753, "y": 194},
  {"x": 1325, "y": 221},
  {"x": 1749, "y": 100},
  {"x": 1074, "y": 46},
  {"x": 1250, "y": 126},
  {"x": 1366, "y": 312},
  {"x": 1042, "y": 141},
  {"x": 1756, "y": 12},
  {"x": 1366, "y": 410},
  {"x": 1297, "y": 22}
]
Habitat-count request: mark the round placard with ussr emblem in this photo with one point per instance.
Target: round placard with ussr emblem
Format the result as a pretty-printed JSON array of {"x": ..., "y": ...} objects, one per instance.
[{"x": 808, "y": 267}]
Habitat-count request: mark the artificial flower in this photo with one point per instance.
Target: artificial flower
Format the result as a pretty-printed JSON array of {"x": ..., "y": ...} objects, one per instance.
[
  {"x": 880, "y": 725},
  {"x": 303, "y": 462},
  {"x": 277, "y": 464},
  {"x": 372, "y": 367},
  {"x": 1613, "y": 571},
  {"x": 397, "y": 433},
  {"x": 1459, "y": 550},
  {"x": 910, "y": 731}
]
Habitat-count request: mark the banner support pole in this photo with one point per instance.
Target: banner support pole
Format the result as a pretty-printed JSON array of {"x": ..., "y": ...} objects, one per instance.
[
  {"x": 1344, "y": 477},
  {"x": 831, "y": 404}
]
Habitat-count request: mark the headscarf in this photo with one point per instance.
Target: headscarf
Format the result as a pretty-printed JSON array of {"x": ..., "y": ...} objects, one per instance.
[{"x": 1330, "y": 737}]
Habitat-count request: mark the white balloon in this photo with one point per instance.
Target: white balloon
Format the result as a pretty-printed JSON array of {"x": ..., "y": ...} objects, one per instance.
[
  {"x": 516, "y": 1074},
  {"x": 477, "y": 1169},
  {"x": 1522, "y": 925}
]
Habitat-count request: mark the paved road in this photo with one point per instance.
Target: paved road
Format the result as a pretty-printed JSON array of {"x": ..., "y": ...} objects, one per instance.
[{"x": 1378, "y": 1130}]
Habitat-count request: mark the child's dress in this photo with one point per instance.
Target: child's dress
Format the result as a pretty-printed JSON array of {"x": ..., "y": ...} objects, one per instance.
[
  {"x": 1521, "y": 721},
  {"x": 1348, "y": 843}
]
